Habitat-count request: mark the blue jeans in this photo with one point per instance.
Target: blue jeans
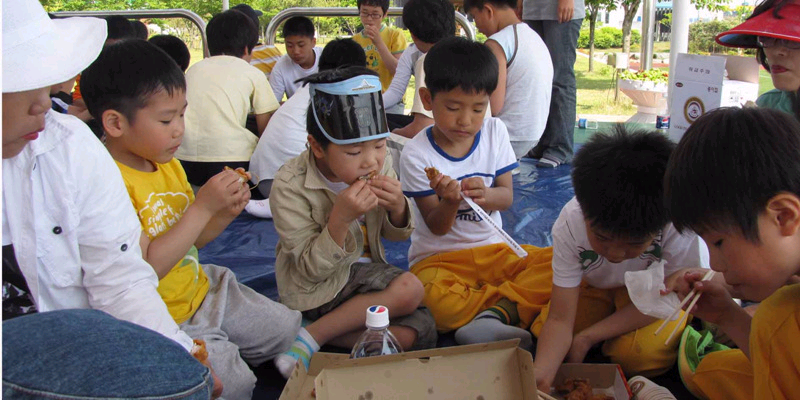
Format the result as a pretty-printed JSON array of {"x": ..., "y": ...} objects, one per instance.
[
  {"x": 561, "y": 39},
  {"x": 89, "y": 354}
]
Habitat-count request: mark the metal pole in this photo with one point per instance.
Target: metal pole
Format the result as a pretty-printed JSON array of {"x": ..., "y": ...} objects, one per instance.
[
  {"x": 648, "y": 21},
  {"x": 680, "y": 37},
  {"x": 225, "y": 5},
  {"x": 275, "y": 22},
  {"x": 170, "y": 13}
]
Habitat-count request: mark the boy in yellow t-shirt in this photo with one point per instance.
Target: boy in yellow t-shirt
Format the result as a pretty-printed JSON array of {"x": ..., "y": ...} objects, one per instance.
[
  {"x": 141, "y": 107},
  {"x": 734, "y": 178},
  {"x": 383, "y": 44}
]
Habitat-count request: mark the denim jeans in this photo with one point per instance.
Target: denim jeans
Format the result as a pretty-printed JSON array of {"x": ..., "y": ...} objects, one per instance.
[
  {"x": 89, "y": 354},
  {"x": 561, "y": 39}
]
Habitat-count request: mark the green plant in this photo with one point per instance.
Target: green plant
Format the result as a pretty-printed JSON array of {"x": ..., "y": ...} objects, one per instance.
[
  {"x": 606, "y": 37},
  {"x": 702, "y": 33},
  {"x": 650, "y": 75}
]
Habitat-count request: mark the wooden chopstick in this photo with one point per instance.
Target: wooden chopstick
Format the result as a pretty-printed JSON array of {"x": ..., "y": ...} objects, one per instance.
[
  {"x": 686, "y": 299},
  {"x": 545, "y": 396},
  {"x": 685, "y": 316}
]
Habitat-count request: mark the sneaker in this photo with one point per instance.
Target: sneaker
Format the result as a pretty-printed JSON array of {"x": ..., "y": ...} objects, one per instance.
[
  {"x": 645, "y": 389},
  {"x": 693, "y": 347},
  {"x": 545, "y": 162}
]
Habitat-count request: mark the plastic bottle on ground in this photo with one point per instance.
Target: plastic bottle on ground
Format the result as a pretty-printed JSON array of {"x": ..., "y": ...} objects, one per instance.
[{"x": 377, "y": 339}]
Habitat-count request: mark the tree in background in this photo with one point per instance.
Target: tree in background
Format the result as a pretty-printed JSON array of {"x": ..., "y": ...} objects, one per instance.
[{"x": 595, "y": 7}]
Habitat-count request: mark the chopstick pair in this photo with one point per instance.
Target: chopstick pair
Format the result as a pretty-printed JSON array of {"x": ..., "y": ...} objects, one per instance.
[{"x": 693, "y": 296}]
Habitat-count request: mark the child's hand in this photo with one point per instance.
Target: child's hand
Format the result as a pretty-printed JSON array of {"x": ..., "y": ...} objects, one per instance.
[
  {"x": 475, "y": 189},
  {"x": 354, "y": 201},
  {"x": 373, "y": 32},
  {"x": 715, "y": 301},
  {"x": 389, "y": 193},
  {"x": 448, "y": 189},
  {"x": 579, "y": 348},
  {"x": 678, "y": 283},
  {"x": 222, "y": 192}
]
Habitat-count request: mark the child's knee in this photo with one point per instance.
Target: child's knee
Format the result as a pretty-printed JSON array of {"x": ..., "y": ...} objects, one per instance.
[
  {"x": 408, "y": 293},
  {"x": 639, "y": 355}
]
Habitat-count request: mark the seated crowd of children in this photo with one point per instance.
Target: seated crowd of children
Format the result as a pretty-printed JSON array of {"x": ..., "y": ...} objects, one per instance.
[{"x": 337, "y": 181}]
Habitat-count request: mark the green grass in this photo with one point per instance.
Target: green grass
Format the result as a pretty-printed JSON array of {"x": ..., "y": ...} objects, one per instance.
[{"x": 596, "y": 91}]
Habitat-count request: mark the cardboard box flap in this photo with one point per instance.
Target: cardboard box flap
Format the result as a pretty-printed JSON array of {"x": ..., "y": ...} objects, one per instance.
[
  {"x": 697, "y": 68},
  {"x": 301, "y": 382},
  {"x": 488, "y": 371}
]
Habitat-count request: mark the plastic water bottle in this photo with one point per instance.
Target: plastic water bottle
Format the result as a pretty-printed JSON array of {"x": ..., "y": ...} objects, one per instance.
[{"x": 377, "y": 340}]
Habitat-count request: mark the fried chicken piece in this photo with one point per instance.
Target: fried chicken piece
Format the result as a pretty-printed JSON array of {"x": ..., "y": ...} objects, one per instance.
[
  {"x": 368, "y": 176},
  {"x": 431, "y": 172},
  {"x": 242, "y": 175}
]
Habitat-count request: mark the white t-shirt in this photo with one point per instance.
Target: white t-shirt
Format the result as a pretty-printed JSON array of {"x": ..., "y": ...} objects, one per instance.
[
  {"x": 574, "y": 260},
  {"x": 405, "y": 68},
  {"x": 419, "y": 82},
  {"x": 285, "y": 137},
  {"x": 529, "y": 82},
  {"x": 221, "y": 91},
  {"x": 287, "y": 71},
  {"x": 491, "y": 156}
]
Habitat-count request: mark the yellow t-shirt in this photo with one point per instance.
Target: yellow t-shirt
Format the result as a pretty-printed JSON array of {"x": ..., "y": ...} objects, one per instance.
[
  {"x": 264, "y": 58},
  {"x": 396, "y": 43},
  {"x": 160, "y": 199}
]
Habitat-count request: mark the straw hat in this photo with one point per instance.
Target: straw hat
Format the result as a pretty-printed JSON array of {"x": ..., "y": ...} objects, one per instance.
[
  {"x": 764, "y": 24},
  {"x": 40, "y": 52}
]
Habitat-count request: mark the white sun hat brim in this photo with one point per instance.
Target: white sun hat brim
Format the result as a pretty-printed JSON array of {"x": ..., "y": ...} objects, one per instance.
[{"x": 40, "y": 52}]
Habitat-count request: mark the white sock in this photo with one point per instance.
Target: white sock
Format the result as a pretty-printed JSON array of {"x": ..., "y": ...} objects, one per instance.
[
  {"x": 302, "y": 349},
  {"x": 486, "y": 327},
  {"x": 259, "y": 208}
]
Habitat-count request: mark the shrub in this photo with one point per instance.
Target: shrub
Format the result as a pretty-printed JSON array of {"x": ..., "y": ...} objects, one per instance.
[
  {"x": 606, "y": 37},
  {"x": 702, "y": 33}
]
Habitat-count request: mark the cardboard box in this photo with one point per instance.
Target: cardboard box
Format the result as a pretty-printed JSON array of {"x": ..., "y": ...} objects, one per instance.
[
  {"x": 605, "y": 379},
  {"x": 700, "y": 85},
  {"x": 493, "y": 371}
]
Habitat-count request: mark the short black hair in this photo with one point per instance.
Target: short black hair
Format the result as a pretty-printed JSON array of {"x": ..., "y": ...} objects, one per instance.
[
  {"x": 430, "y": 20},
  {"x": 618, "y": 180},
  {"x": 456, "y": 62},
  {"x": 298, "y": 26},
  {"x": 119, "y": 28},
  {"x": 125, "y": 75},
  {"x": 472, "y": 4},
  {"x": 250, "y": 12},
  {"x": 141, "y": 29},
  {"x": 329, "y": 76},
  {"x": 383, "y": 4},
  {"x": 175, "y": 47},
  {"x": 342, "y": 53},
  {"x": 727, "y": 166},
  {"x": 230, "y": 33}
]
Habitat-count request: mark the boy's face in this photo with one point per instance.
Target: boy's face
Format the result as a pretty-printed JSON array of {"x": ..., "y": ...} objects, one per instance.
[
  {"x": 755, "y": 270},
  {"x": 482, "y": 18},
  {"x": 457, "y": 115},
  {"x": 156, "y": 132},
  {"x": 371, "y": 15},
  {"x": 346, "y": 163},
  {"x": 301, "y": 49},
  {"x": 23, "y": 118},
  {"x": 613, "y": 248}
]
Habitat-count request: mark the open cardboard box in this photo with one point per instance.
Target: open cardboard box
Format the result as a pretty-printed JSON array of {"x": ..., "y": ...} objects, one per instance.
[
  {"x": 703, "y": 83},
  {"x": 605, "y": 379},
  {"x": 493, "y": 371}
]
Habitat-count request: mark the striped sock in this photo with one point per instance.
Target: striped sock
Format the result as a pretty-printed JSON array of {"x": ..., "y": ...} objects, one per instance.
[{"x": 302, "y": 349}]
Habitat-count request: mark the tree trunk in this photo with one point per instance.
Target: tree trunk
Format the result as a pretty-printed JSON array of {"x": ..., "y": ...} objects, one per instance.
[
  {"x": 592, "y": 24},
  {"x": 627, "y": 22}
]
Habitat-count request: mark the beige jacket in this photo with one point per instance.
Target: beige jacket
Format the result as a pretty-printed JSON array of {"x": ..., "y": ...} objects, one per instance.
[{"x": 310, "y": 267}]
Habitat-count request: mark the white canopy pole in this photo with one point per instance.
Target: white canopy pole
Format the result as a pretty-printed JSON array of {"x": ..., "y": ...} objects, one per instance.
[
  {"x": 680, "y": 36},
  {"x": 225, "y": 5},
  {"x": 648, "y": 23}
]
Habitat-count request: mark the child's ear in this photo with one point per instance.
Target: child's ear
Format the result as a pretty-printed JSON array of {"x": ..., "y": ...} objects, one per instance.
[
  {"x": 784, "y": 210},
  {"x": 313, "y": 42},
  {"x": 426, "y": 97},
  {"x": 316, "y": 148},
  {"x": 114, "y": 123}
]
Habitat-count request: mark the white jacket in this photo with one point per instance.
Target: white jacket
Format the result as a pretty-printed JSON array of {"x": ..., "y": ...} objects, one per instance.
[{"x": 75, "y": 232}]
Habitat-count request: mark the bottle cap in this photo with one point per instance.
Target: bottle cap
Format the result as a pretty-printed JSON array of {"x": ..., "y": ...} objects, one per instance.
[{"x": 377, "y": 317}]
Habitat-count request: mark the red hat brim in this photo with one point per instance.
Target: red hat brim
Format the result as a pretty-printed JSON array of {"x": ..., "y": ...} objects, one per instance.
[{"x": 746, "y": 34}]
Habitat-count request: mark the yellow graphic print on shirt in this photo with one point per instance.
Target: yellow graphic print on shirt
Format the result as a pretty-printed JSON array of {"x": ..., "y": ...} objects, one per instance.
[
  {"x": 160, "y": 199},
  {"x": 394, "y": 41}
]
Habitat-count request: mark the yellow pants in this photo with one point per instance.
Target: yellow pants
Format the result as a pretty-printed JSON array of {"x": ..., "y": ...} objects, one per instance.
[
  {"x": 460, "y": 284},
  {"x": 773, "y": 370},
  {"x": 639, "y": 352}
]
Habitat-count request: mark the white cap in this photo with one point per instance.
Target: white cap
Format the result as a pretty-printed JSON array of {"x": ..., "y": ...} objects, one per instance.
[{"x": 377, "y": 317}]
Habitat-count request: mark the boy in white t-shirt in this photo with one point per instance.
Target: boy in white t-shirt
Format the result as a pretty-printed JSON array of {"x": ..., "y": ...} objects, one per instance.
[
  {"x": 301, "y": 59},
  {"x": 616, "y": 223},
  {"x": 473, "y": 281}
]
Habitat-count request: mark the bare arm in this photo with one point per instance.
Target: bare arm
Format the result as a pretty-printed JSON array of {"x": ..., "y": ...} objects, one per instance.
[
  {"x": 419, "y": 123},
  {"x": 163, "y": 252},
  {"x": 498, "y": 97},
  {"x": 439, "y": 210},
  {"x": 499, "y": 197},
  {"x": 555, "y": 338},
  {"x": 261, "y": 121}
]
